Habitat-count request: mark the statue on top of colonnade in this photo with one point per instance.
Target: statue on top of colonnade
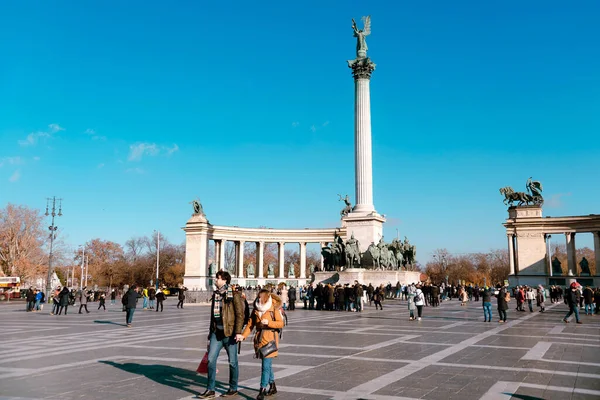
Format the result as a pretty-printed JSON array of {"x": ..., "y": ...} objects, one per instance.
[
  {"x": 198, "y": 210},
  {"x": 533, "y": 197}
]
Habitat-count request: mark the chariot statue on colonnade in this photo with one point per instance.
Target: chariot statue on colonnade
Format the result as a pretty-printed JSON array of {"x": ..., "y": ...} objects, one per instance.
[{"x": 533, "y": 196}]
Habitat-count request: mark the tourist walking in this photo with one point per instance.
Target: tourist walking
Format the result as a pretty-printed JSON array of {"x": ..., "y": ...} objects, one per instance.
[
  {"x": 130, "y": 303},
  {"x": 378, "y": 297},
  {"x": 181, "y": 297},
  {"x": 226, "y": 323},
  {"x": 541, "y": 298},
  {"x": 63, "y": 300},
  {"x": 572, "y": 298},
  {"x": 151, "y": 297},
  {"x": 411, "y": 307},
  {"x": 419, "y": 301},
  {"x": 530, "y": 296},
  {"x": 486, "y": 299},
  {"x": 267, "y": 320},
  {"x": 83, "y": 299},
  {"x": 113, "y": 296},
  {"x": 160, "y": 297},
  {"x": 55, "y": 301},
  {"x": 102, "y": 301},
  {"x": 503, "y": 299},
  {"x": 292, "y": 298}
]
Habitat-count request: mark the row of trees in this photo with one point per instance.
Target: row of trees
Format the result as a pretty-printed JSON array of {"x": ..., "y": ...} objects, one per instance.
[{"x": 476, "y": 268}]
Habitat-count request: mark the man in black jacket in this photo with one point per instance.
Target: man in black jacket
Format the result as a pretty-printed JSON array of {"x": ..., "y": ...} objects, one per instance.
[
  {"x": 130, "y": 302},
  {"x": 572, "y": 298}
]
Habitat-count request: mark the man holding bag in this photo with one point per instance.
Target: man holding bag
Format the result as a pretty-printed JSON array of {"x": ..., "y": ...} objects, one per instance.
[{"x": 226, "y": 323}]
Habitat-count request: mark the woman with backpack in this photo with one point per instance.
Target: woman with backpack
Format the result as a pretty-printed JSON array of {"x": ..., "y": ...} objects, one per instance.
[{"x": 268, "y": 321}]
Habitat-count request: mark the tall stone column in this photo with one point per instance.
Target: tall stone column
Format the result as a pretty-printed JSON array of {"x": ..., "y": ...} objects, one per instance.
[
  {"x": 302, "y": 260},
  {"x": 571, "y": 254},
  {"x": 281, "y": 259},
  {"x": 361, "y": 70},
  {"x": 260, "y": 256},
  {"x": 597, "y": 251},
  {"x": 548, "y": 255},
  {"x": 322, "y": 266},
  {"x": 240, "y": 258},
  {"x": 222, "y": 255},
  {"x": 511, "y": 254}
]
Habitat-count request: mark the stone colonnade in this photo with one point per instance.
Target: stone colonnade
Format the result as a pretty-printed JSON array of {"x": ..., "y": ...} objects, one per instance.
[
  {"x": 198, "y": 233},
  {"x": 528, "y": 235},
  {"x": 240, "y": 271}
]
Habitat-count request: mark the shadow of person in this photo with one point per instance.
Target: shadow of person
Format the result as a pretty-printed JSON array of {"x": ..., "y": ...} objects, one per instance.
[
  {"x": 100, "y": 321},
  {"x": 179, "y": 378}
]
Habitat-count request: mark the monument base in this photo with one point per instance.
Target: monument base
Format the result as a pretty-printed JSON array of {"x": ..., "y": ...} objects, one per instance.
[
  {"x": 546, "y": 280},
  {"x": 366, "y": 276},
  {"x": 366, "y": 228}
]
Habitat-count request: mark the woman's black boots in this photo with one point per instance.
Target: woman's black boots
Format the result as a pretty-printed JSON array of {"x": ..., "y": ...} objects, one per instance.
[
  {"x": 272, "y": 389},
  {"x": 261, "y": 394}
]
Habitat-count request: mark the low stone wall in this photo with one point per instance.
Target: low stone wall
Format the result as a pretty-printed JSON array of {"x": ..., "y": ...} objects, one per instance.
[{"x": 365, "y": 277}]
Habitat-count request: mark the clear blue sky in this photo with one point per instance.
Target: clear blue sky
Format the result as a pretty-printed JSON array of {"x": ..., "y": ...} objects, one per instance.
[{"x": 129, "y": 110}]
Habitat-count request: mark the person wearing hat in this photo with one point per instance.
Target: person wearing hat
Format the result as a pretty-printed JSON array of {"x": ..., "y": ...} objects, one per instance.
[{"x": 572, "y": 298}]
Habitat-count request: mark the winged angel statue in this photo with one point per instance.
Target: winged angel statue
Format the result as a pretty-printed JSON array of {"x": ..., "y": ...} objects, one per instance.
[{"x": 360, "y": 35}]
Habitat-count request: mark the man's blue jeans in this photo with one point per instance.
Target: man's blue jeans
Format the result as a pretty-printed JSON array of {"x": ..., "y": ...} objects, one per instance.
[
  {"x": 266, "y": 374},
  {"x": 151, "y": 303},
  {"x": 574, "y": 309},
  {"x": 487, "y": 311},
  {"x": 589, "y": 308},
  {"x": 215, "y": 347},
  {"x": 145, "y": 302},
  {"x": 129, "y": 315}
]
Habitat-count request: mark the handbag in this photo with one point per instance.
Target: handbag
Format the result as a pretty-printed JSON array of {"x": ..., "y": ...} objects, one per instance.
[
  {"x": 203, "y": 366},
  {"x": 267, "y": 349}
]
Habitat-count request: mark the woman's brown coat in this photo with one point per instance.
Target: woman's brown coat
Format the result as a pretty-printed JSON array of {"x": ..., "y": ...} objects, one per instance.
[{"x": 273, "y": 315}]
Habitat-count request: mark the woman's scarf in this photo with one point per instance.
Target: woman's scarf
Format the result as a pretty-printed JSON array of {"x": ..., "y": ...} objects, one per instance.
[{"x": 262, "y": 308}]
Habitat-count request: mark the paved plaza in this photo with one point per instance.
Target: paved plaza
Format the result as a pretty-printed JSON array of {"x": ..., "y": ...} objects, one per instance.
[{"x": 450, "y": 354}]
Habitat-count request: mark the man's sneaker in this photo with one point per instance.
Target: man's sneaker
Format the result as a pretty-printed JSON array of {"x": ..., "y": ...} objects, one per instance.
[
  {"x": 418, "y": 319},
  {"x": 579, "y": 322},
  {"x": 129, "y": 325},
  {"x": 230, "y": 392},
  {"x": 209, "y": 394}
]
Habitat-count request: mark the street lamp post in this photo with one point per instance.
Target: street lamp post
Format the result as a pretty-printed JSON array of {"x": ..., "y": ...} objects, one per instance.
[
  {"x": 82, "y": 264},
  {"x": 52, "y": 228},
  {"x": 157, "y": 255}
]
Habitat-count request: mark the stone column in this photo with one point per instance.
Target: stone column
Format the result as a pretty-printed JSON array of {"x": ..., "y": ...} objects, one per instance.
[
  {"x": 221, "y": 265},
  {"x": 571, "y": 254},
  {"x": 548, "y": 255},
  {"x": 597, "y": 252},
  {"x": 240, "y": 259},
  {"x": 260, "y": 256},
  {"x": 321, "y": 245},
  {"x": 302, "y": 260},
  {"x": 217, "y": 253},
  {"x": 281, "y": 259},
  {"x": 511, "y": 254},
  {"x": 361, "y": 70}
]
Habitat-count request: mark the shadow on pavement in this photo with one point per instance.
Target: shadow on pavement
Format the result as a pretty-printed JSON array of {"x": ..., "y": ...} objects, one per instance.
[
  {"x": 522, "y": 396},
  {"x": 179, "y": 378},
  {"x": 99, "y": 321}
]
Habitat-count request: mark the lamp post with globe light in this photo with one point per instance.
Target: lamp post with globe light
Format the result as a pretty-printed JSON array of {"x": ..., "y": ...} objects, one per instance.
[{"x": 52, "y": 228}]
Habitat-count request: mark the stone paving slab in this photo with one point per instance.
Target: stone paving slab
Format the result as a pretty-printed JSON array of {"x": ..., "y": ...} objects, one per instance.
[{"x": 379, "y": 355}]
